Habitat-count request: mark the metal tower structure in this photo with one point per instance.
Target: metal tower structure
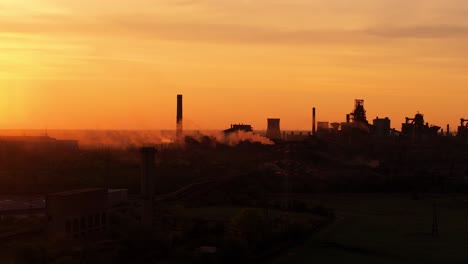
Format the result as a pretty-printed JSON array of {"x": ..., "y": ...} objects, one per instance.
[{"x": 359, "y": 113}]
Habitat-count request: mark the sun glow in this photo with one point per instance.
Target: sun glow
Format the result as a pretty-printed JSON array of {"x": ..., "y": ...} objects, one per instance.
[{"x": 119, "y": 64}]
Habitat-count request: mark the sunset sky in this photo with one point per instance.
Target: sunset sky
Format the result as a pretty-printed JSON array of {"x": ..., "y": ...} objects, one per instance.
[{"x": 115, "y": 64}]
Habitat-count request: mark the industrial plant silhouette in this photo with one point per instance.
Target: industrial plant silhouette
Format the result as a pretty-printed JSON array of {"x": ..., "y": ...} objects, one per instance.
[{"x": 346, "y": 190}]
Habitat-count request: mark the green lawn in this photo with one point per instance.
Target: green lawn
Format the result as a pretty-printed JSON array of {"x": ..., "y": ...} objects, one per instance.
[
  {"x": 225, "y": 213},
  {"x": 387, "y": 229}
]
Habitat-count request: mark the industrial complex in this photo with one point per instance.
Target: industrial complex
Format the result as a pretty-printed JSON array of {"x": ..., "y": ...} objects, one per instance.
[
  {"x": 217, "y": 202},
  {"x": 357, "y": 124}
]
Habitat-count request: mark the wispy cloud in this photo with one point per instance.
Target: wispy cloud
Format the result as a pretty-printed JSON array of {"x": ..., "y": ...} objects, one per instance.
[
  {"x": 423, "y": 31},
  {"x": 152, "y": 28},
  {"x": 146, "y": 20}
]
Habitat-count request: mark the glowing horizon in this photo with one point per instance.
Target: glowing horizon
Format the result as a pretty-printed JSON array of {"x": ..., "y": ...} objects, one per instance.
[{"x": 69, "y": 64}]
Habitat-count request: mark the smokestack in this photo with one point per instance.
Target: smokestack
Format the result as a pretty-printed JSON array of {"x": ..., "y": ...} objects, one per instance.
[
  {"x": 179, "y": 120},
  {"x": 313, "y": 122},
  {"x": 148, "y": 171},
  {"x": 448, "y": 130}
]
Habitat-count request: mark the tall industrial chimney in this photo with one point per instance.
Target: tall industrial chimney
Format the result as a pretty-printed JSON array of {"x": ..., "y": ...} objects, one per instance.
[
  {"x": 313, "y": 122},
  {"x": 273, "y": 131},
  {"x": 148, "y": 171},
  {"x": 448, "y": 130},
  {"x": 179, "y": 132}
]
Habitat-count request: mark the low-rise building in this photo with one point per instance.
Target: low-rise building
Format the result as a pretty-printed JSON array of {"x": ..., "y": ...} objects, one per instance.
[{"x": 76, "y": 214}]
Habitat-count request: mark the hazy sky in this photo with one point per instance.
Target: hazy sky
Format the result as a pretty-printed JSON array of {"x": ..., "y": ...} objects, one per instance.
[{"x": 119, "y": 64}]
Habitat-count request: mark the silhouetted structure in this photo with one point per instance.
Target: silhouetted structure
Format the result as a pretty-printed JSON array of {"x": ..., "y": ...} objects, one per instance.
[
  {"x": 299, "y": 137},
  {"x": 238, "y": 127},
  {"x": 77, "y": 214},
  {"x": 179, "y": 120},
  {"x": 314, "y": 121},
  {"x": 415, "y": 127},
  {"x": 323, "y": 127},
  {"x": 273, "y": 131},
  {"x": 382, "y": 127},
  {"x": 359, "y": 113},
  {"x": 463, "y": 128},
  {"x": 335, "y": 126},
  {"x": 357, "y": 119}
]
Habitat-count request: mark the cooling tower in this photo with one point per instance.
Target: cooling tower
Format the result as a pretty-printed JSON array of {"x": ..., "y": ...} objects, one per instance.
[
  {"x": 179, "y": 120},
  {"x": 273, "y": 131},
  {"x": 148, "y": 171}
]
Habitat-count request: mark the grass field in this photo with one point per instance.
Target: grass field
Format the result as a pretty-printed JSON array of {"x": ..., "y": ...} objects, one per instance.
[
  {"x": 226, "y": 213},
  {"x": 387, "y": 229}
]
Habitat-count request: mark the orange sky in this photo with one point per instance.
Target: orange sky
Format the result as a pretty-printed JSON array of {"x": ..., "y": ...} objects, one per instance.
[{"x": 115, "y": 64}]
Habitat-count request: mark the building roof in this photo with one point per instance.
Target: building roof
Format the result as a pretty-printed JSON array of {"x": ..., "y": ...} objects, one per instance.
[{"x": 239, "y": 127}]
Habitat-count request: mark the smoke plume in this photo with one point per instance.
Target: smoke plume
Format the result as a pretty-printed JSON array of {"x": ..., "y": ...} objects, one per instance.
[
  {"x": 123, "y": 139},
  {"x": 231, "y": 139}
]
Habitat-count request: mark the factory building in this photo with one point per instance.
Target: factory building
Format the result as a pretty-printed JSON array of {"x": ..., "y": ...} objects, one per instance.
[
  {"x": 463, "y": 128},
  {"x": 238, "y": 127},
  {"x": 356, "y": 120},
  {"x": 335, "y": 126},
  {"x": 382, "y": 127},
  {"x": 77, "y": 214},
  {"x": 296, "y": 137},
  {"x": 359, "y": 113},
  {"x": 416, "y": 127},
  {"x": 323, "y": 126}
]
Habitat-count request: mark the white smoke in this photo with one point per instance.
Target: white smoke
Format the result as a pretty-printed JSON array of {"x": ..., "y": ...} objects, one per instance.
[{"x": 231, "y": 139}]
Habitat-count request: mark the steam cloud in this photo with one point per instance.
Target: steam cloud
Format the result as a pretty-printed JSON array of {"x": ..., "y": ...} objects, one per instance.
[
  {"x": 232, "y": 139},
  {"x": 115, "y": 139},
  {"x": 122, "y": 139}
]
